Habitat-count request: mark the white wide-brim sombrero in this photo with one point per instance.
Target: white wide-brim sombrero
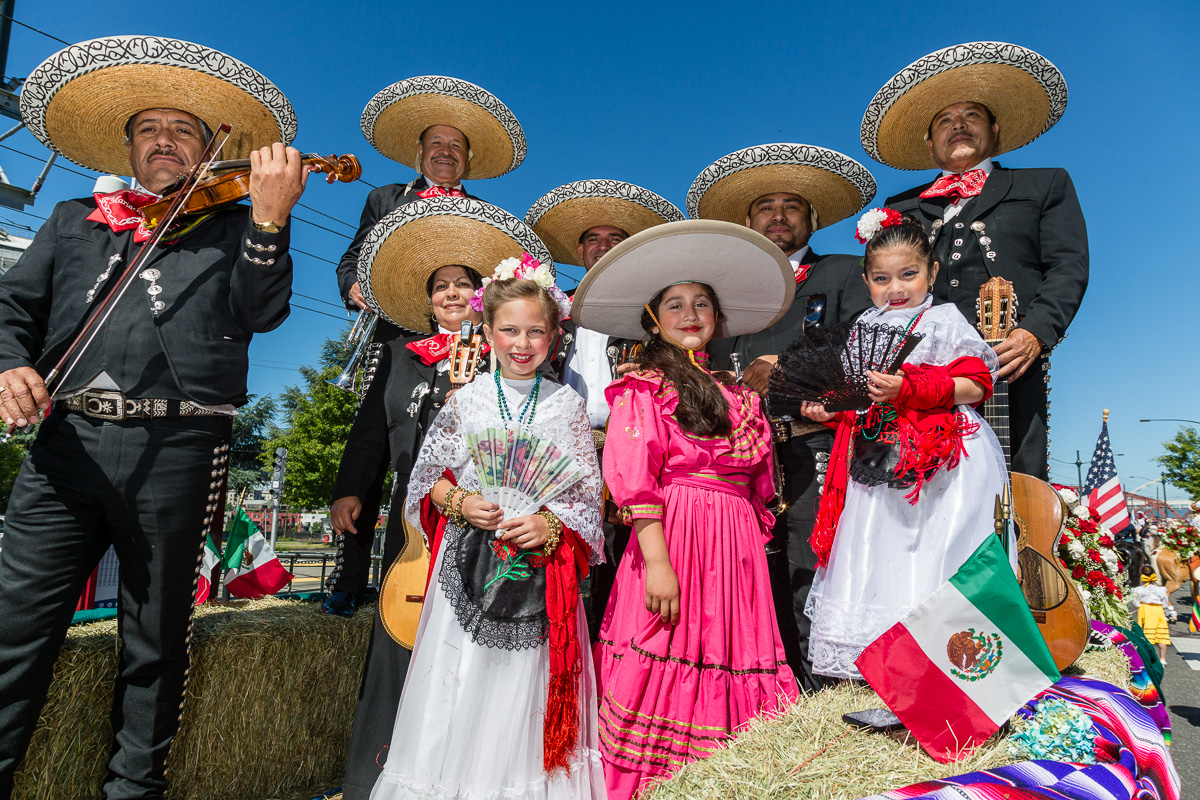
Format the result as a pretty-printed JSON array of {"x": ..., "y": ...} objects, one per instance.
[
  {"x": 751, "y": 276},
  {"x": 395, "y": 118},
  {"x": 419, "y": 238},
  {"x": 560, "y": 217},
  {"x": 1024, "y": 91},
  {"x": 834, "y": 184},
  {"x": 78, "y": 100}
]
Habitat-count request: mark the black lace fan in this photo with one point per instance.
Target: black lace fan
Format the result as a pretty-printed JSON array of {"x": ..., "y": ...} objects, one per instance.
[{"x": 829, "y": 365}]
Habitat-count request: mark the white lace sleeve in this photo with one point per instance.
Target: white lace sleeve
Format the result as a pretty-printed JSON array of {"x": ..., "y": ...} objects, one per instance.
[
  {"x": 444, "y": 447},
  {"x": 948, "y": 336},
  {"x": 579, "y": 506}
]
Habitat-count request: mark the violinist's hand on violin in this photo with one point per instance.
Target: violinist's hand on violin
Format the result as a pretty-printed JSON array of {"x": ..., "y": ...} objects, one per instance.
[
  {"x": 277, "y": 179},
  {"x": 22, "y": 395}
]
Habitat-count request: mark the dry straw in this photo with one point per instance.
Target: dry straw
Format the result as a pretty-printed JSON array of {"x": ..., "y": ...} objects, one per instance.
[
  {"x": 795, "y": 755},
  {"x": 271, "y": 698}
]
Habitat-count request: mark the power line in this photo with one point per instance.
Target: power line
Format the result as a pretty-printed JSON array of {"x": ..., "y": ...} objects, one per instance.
[
  {"x": 35, "y": 158},
  {"x": 319, "y": 300},
  {"x": 322, "y": 227},
  {"x": 310, "y": 255},
  {"x": 322, "y": 313},
  {"x": 35, "y": 30},
  {"x": 327, "y": 216}
]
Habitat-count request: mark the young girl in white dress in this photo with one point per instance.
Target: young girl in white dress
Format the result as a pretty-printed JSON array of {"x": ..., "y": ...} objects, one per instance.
[
  {"x": 891, "y": 530},
  {"x": 500, "y": 696}
]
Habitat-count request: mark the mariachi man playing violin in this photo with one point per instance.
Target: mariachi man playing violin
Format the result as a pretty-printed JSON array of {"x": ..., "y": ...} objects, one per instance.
[{"x": 134, "y": 450}]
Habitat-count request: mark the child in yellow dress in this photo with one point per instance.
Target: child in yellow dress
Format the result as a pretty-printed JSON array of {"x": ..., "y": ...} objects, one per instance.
[{"x": 1151, "y": 612}]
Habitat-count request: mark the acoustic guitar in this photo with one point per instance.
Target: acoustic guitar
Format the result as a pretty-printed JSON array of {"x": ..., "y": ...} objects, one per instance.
[
  {"x": 1037, "y": 509},
  {"x": 403, "y": 592}
]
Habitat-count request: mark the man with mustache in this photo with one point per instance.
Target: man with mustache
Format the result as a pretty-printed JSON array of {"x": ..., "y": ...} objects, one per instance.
[
  {"x": 786, "y": 192},
  {"x": 447, "y": 130},
  {"x": 135, "y": 450},
  {"x": 976, "y": 101}
]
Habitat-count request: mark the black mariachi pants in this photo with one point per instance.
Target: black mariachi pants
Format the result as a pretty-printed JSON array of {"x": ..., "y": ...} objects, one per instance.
[
  {"x": 142, "y": 487},
  {"x": 790, "y": 560}
]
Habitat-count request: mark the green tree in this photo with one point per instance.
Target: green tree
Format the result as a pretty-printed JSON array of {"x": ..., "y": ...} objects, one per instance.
[
  {"x": 251, "y": 427},
  {"x": 1181, "y": 462},
  {"x": 12, "y": 455},
  {"x": 318, "y": 418}
]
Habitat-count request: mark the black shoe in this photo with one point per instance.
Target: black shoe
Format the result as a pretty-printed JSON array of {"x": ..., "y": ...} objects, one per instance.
[{"x": 341, "y": 604}]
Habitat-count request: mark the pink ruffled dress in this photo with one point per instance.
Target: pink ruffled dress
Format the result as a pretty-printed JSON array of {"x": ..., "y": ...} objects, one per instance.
[{"x": 671, "y": 694}]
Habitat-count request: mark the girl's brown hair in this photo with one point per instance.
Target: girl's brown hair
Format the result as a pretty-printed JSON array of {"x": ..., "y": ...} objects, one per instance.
[
  {"x": 498, "y": 293},
  {"x": 702, "y": 408},
  {"x": 908, "y": 233}
]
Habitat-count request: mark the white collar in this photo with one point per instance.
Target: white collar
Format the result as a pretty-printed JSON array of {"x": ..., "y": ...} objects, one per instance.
[
  {"x": 985, "y": 165},
  {"x": 799, "y": 255}
]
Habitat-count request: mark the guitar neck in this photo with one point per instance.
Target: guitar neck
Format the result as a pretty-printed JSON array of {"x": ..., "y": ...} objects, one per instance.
[{"x": 995, "y": 411}]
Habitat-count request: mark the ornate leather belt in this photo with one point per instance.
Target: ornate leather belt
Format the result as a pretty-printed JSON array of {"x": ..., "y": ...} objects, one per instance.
[
  {"x": 115, "y": 407},
  {"x": 784, "y": 429}
]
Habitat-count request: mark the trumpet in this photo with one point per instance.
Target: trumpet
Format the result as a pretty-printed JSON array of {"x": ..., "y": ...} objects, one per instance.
[{"x": 360, "y": 339}]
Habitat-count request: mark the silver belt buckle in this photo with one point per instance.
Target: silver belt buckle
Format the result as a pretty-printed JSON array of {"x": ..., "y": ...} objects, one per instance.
[{"x": 104, "y": 405}]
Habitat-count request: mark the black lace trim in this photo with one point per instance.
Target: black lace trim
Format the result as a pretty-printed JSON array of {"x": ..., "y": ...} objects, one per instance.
[{"x": 484, "y": 627}]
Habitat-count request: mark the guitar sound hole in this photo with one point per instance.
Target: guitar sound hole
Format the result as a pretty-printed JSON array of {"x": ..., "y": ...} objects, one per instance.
[{"x": 1044, "y": 586}]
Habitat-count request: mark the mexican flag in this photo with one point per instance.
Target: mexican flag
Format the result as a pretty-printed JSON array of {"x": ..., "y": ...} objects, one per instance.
[
  {"x": 252, "y": 567},
  {"x": 208, "y": 562},
  {"x": 960, "y": 664}
]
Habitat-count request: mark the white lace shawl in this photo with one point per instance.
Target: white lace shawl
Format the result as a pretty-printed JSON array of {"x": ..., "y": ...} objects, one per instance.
[
  {"x": 948, "y": 335},
  {"x": 561, "y": 417}
]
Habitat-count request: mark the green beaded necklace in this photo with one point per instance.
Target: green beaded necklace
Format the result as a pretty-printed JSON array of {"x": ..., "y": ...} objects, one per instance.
[{"x": 528, "y": 407}]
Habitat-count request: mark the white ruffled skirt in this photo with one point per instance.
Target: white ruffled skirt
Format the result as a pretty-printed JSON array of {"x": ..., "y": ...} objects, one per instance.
[
  {"x": 889, "y": 556},
  {"x": 469, "y": 726}
]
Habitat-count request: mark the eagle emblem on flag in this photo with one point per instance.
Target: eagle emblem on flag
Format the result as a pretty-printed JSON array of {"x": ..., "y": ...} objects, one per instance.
[{"x": 976, "y": 655}]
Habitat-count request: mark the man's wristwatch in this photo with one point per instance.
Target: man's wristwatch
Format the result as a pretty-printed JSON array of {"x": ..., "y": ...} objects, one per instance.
[{"x": 266, "y": 227}]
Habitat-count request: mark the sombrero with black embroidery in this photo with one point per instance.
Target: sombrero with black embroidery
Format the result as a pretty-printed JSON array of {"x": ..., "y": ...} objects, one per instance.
[
  {"x": 835, "y": 185},
  {"x": 752, "y": 277},
  {"x": 419, "y": 238},
  {"x": 1024, "y": 91},
  {"x": 395, "y": 118},
  {"x": 78, "y": 100},
  {"x": 560, "y": 217}
]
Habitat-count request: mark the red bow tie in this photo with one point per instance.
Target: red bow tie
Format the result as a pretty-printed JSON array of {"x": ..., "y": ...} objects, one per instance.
[
  {"x": 436, "y": 348},
  {"x": 968, "y": 184},
  {"x": 801, "y": 271},
  {"x": 121, "y": 212},
  {"x": 440, "y": 191}
]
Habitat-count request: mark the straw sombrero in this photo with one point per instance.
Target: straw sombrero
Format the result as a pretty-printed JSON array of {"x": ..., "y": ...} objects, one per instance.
[
  {"x": 78, "y": 100},
  {"x": 561, "y": 216},
  {"x": 419, "y": 238},
  {"x": 1026, "y": 93},
  {"x": 752, "y": 277},
  {"x": 835, "y": 185},
  {"x": 396, "y": 117}
]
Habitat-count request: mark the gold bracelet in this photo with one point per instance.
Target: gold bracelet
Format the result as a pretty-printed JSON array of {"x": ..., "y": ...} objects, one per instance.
[
  {"x": 458, "y": 516},
  {"x": 556, "y": 529},
  {"x": 449, "y": 499}
]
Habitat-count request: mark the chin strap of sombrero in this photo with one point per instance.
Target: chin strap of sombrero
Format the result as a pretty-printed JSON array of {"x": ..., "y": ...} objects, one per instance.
[{"x": 663, "y": 332}]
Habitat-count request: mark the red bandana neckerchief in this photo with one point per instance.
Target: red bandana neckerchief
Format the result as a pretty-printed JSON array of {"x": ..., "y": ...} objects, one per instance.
[
  {"x": 121, "y": 211},
  {"x": 968, "y": 184},
  {"x": 440, "y": 191},
  {"x": 801, "y": 271},
  {"x": 437, "y": 347}
]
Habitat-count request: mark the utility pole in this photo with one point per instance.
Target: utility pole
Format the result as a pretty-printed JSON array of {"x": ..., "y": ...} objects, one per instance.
[
  {"x": 277, "y": 481},
  {"x": 10, "y": 106},
  {"x": 1079, "y": 471}
]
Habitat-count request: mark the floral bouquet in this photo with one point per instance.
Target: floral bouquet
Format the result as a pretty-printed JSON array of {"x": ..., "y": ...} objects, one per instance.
[
  {"x": 529, "y": 268},
  {"x": 1088, "y": 552},
  {"x": 1180, "y": 536}
]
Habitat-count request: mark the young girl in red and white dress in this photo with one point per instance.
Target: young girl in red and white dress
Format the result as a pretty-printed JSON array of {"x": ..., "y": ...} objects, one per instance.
[
  {"x": 689, "y": 649},
  {"x": 500, "y": 697},
  {"x": 885, "y": 539}
]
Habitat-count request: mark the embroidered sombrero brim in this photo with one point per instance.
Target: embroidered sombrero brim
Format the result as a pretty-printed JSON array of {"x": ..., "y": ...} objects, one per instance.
[
  {"x": 752, "y": 277},
  {"x": 562, "y": 216},
  {"x": 1025, "y": 92},
  {"x": 835, "y": 185},
  {"x": 419, "y": 238},
  {"x": 396, "y": 117},
  {"x": 78, "y": 100}
]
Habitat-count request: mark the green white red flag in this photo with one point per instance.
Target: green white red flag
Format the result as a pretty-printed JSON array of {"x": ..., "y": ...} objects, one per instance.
[
  {"x": 252, "y": 568},
  {"x": 960, "y": 664},
  {"x": 209, "y": 560}
]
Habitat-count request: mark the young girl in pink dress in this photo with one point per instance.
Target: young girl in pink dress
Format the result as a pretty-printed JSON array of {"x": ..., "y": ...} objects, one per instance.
[{"x": 689, "y": 650}]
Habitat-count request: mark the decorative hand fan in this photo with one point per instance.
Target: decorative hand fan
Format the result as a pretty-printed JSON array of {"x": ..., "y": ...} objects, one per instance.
[
  {"x": 829, "y": 365},
  {"x": 520, "y": 472}
]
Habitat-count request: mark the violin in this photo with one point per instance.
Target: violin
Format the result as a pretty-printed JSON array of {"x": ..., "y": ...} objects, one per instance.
[{"x": 227, "y": 182}]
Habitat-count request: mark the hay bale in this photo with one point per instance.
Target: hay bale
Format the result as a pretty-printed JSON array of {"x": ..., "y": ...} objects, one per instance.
[
  {"x": 798, "y": 754},
  {"x": 271, "y": 698}
]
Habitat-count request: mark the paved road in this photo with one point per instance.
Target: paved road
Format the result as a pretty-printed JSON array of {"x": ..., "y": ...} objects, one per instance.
[{"x": 1181, "y": 686}]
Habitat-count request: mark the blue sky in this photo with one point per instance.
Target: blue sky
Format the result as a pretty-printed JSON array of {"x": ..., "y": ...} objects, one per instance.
[{"x": 653, "y": 92}]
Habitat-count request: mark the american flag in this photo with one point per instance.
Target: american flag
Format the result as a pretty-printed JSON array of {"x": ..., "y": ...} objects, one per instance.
[{"x": 1103, "y": 488}]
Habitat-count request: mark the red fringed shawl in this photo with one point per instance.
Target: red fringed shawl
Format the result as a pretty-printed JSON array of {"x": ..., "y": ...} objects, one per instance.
[{"x": 927, "y": 432}]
